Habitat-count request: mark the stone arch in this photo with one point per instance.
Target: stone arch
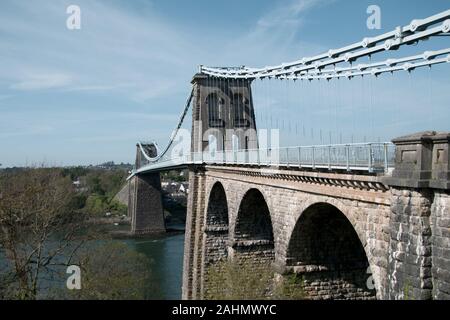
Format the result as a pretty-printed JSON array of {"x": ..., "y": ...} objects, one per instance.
[
  {"x": 216, "y": 224},
  {"x": 215, "y": 237},
  {"x": 326, "y": 251},
  {"x": 344, "y": 209},
  {"x": 253, "y": 230}
]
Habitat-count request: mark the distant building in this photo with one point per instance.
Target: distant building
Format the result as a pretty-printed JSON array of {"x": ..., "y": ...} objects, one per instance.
[
  {"x": 77, "y": 183},
  {"x": 184, "y": 188},
  {"x": 79, "y": 187}
]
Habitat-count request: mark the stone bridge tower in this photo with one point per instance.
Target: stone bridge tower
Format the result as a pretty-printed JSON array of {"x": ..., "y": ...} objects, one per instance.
[
  {"x": 145, "y": 198},
  {"x": 223, "y": 116},
  {"x": 223, "y": 119}
]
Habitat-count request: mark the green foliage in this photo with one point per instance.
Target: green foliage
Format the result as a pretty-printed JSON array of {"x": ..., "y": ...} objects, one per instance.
[
  {"x": 229, "y": 280},
  {"x": 99, "y": 187},
  {"x": 75, "y": 172},
  {"x": 238, "y": 280},
  {"x": 93, "y": 183},
  {"x": 174, "y": 176},
  {"x": 103, "y": 182},
  {"x": 78, "y": 201},
  {"x": 291, "y": 287},
  {"x": 111, "y": 271},
  {"x": 99, "y": 205},
  {"x": 407, "y": 291},
  {"x": 96, "y": 204},
  {"x": 115, "y": 207}
]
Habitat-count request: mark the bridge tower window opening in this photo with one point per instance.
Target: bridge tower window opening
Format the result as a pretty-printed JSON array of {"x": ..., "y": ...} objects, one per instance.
[
  {"x": 235, "y": 142},
  {"x": 241, "y": 109},
  {"x": 212, "y": 145},
  {"x": 215, "y": 110}
]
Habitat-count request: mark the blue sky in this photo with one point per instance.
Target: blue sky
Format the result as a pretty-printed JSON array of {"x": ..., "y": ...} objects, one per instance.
[{"x": 86, "y": 96}]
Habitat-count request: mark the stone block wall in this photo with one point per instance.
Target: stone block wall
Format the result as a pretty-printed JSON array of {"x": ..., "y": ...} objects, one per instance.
[
  {"x": 287, "y": 197},
  {"x": 145, "y": 204},
  {"x": 192, "y": 248},
  {"x": 215, "y": 238},
  {"x": 419, "y": 222},
  {"x": 440, "y": 230},
  {"x": 410, "y": 250},
  {"x": 348, "y": 285},
  {"x": 255, "y": 253},
  {"x": 419, "y": 252},
  {"x": 404, "y": 233}
]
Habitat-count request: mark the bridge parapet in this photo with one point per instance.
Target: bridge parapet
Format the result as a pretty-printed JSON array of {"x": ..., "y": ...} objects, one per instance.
[
  {"x": 421, "y": 161},
  {"x": 362, "y": 157}
]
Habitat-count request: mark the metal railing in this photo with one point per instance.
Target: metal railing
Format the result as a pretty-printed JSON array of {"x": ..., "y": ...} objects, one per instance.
[{"x": 369, "y": 157}]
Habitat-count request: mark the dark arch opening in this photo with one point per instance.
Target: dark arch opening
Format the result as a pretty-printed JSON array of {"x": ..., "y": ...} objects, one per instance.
[
  {"x": 216, "y": 228},
  {"x": 217, "y": 213},
  {"x": 253, "y": 220},
  {"x": 326, "y": 251},
  {"x": 253, "y": 230}
]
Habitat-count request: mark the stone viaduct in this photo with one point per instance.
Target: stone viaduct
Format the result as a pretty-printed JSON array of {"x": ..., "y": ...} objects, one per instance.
[{"x": 349, "y": 235}]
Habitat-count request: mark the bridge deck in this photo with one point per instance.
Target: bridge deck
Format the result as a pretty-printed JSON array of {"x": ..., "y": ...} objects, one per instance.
[{"x": 367, "y": 157}]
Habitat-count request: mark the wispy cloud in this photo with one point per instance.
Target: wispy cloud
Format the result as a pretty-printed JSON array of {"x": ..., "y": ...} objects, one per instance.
[
  {"x": 141, "y": 56},
  {"x": 290, "y": 14},
  {"x": 276, "y": 35},
  {"x": 27, "y": 131},
  {"x": 99, "y": 88},
  {"x": 38, "y": 81},
  {"x": 116, "y": 50}
]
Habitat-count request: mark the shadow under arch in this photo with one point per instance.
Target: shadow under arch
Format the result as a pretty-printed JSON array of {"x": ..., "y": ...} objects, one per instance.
[
  {"x": 216, "y": 224},
  {"x": 325, "y": 250},
  {"x": 253, "y": 232}
]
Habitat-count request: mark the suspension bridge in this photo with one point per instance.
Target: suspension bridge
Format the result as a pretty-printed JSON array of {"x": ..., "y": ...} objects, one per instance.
[
  {"x": 332, "y": 65},
  {"x": 330, "y": 212}
]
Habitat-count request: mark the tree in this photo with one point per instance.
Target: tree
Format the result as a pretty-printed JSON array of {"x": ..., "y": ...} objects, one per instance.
[
  {"x": 111, "y": 270},
  {"x": 43, "y": 230},
  {"x": 38, "y": 228},
  {"x": 74, "y": 172}
]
